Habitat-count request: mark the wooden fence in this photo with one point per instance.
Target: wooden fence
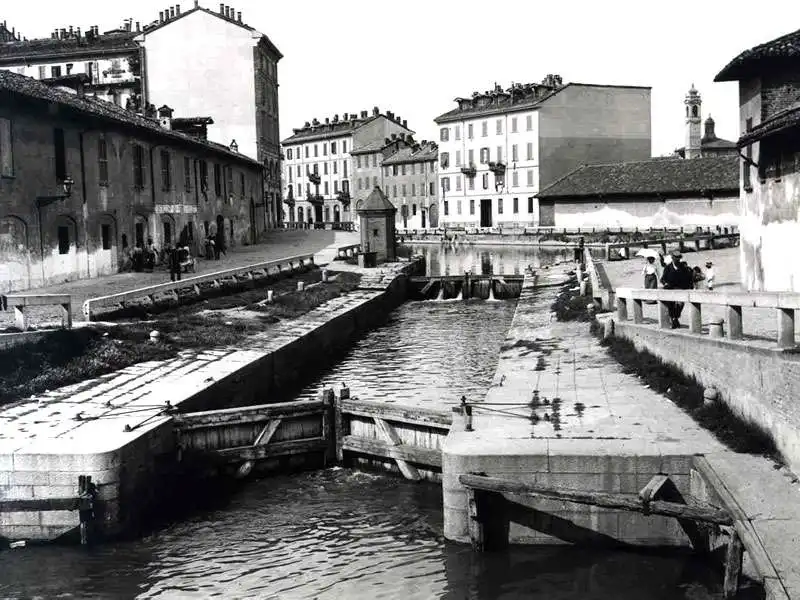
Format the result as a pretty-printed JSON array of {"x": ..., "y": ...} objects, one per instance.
[
  {"x": 93, "y": 305},
  {"x": 783, "y": 305},
  {"x": 699, "y": 241}
]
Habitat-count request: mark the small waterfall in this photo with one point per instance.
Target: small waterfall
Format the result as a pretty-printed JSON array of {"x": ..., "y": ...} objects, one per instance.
[
  {"x": 440, "y": 295},
  {"x": 491, "y": 292},
  {"x": 460, "y": 295}
]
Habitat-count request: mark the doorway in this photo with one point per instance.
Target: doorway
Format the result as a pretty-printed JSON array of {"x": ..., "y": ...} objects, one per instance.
[
  {"x": 424, "y": 218},
  {"x": 486, "y": 213},
  {"x": 318, "y": 213}
]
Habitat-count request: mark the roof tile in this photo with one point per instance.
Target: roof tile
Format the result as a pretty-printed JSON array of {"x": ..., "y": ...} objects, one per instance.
[{"x": 785, "y": 47}]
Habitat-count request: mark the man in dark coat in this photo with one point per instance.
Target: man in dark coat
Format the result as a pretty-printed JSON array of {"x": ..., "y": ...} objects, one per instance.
[
  {"x": 174, "y": 263},
  {"x": 675, "y": 277}
]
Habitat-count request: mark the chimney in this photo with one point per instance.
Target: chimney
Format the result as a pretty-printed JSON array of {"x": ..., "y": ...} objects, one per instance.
[
  {"x": 161, "y": 16},
  {"x": 386, "y": 141},
  {"x": 63, "y": 33},
  {"x": 138, "y": 26},
  {"x": 196, "y": 3},
  {"x": 394, "y": 136},
  {"x": 376, "y": 111},
  {"x": 327, "y": 121},
  {"x": 336, "y": 118},
  {"x": 165, "y": 116},
  {"x": 346, "y": 116},
  {"x": 171, "y": 12},
  {"x": 71, "y": 31},
  {"x": 239, "y": 16},
  {"x": 221, "y": 9},
  {"x": 78, "y": 32},
  {"x": 364, "y": 114},
  {"x": 405, "y": 123},
  {"x": 177, "y": 9}
]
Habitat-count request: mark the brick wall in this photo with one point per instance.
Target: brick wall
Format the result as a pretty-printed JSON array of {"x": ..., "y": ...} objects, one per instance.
[
  {"x": 779, "y": 90},
  {"x": 760, "y": 385}
]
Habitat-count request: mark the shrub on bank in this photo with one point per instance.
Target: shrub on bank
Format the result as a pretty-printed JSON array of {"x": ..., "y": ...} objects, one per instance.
[{"x": 569, "y": 305}]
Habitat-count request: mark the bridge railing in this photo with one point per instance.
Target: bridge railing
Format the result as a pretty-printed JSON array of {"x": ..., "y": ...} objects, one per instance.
[
  {"x": 93, "y": 305},
  {"x": 710, "y": 240},
  {"x": 784, "y": 305}
]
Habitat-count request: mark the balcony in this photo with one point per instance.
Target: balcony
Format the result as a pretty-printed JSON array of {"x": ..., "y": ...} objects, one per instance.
[
  {"x": 344, "y": 198},
  {"x": 498, "y": 168},
  {"x": 289, "y": 199},
  {"x": 315, "y": 199},
  {"x": 469, "y": 170},
  {"x": 314, "y": 178}
]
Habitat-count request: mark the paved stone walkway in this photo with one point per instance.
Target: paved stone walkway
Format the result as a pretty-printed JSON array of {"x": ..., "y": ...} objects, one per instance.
[
  {"x": 278, "y": 244},
  {"x": 757, "y": 323}
]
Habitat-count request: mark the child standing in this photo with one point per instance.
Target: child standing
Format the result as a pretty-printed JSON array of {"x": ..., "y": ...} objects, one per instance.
[{"x": 710, "y": 276}]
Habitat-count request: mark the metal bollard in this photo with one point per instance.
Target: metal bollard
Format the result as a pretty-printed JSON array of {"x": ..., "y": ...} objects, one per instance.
[
  {"x": 715, "y": 328},
  {"x": 324, "y": 275}
]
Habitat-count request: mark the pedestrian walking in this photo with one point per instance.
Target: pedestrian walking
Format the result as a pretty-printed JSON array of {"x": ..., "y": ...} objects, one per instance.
[
  {"x": 710, "y": 276},
  {"x": 674, "y": 278},
  {"x": 174, "y": 264}
]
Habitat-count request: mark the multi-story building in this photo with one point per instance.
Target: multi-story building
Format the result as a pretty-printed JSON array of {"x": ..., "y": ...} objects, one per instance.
[
  {"x": 319, "y": 162},
  {"x": 111, "y": 60},
  {"x": 409, "y": 180},
  {"x": 83, "y": 181},
  {"x": 206, "y": 65},
  {"x": 709, "y": 144},
  {"x": 499, "y": 148},
  {"x": 769, "y": 119}
]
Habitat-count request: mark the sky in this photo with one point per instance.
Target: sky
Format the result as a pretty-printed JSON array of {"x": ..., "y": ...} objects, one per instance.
[{"x": 415, "y": 56}]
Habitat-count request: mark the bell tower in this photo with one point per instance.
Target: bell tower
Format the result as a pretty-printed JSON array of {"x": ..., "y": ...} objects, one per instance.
[{"x": 693, "y": 122}]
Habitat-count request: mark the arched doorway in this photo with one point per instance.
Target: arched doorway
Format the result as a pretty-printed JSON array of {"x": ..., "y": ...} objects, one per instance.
[
  {"x": 140, "y": 231},
  {"x": 300, "y": 214},
  {"x": 14, "y": 254},
  {"x": 168, "y": 231},
  {"x": 105, "y": 254},
  {"x": 433, "y": 215},
  {"x": 336, "y": 214},
  {"x": 62, "y": 258}
]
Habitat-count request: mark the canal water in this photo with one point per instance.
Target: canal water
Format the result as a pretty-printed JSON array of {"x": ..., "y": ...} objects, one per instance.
[{"x": 340, "y": 534}]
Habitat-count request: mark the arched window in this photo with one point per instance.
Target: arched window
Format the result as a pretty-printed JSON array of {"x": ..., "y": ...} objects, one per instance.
[{"x": 694, "y": 110}]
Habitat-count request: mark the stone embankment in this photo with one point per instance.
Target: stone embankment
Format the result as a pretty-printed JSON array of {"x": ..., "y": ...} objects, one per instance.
[{"x": 113, "y": 428}]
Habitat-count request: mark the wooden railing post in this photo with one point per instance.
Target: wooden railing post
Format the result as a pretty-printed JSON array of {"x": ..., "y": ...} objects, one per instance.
[
  {"x": 785, "y": 327},
  {"x": 329, "y": 425},
  {"x": 664, "y": 320},
  {"x": 622, "y": 308},
  {"x": 695, "y": 317},
  {"x": 638, "y": 313},
  {"x": 734, "y": 322}
]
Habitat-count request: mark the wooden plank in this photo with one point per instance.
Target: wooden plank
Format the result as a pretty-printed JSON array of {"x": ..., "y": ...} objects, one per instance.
[
  {"x": 388, "y": 433},
  {"x": 37, "y": 299},
  {"x": 733, "y": 566},
  {"x": 475, "y": 525},
  {"x": 266, "y": 434},
  {"x": 244, "y": 453},
  {"x": 40, "y": 504},
  {"x": 439, "y": 419},
  {"x": 661, "y": 487},
  {"x": 420, "y": 456},
  {"x": 247, "y": 414},
  {"x": 604, "y": 499}
]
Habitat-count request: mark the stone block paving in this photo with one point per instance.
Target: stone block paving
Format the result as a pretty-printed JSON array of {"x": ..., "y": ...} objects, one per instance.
[
  {"x": 580, "y": 392},
  {"x": 278, "y": 244},
  {"x": 757, "y": 323},
  {"x": 96, "y": 411}
]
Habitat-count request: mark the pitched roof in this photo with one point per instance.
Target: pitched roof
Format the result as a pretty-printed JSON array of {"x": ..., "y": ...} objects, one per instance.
[
  {"x": 658, "y": 176},
  {"x": 336, "y": 129},
  {"x": 155, "y": 26},
  {"x": 32, "y": 50},
  {"x": 778, "y": 50},
  {"x": 408, "y": 155},
  {"x": 777, "y": 123},
  {"x": 18, "y": 85},
  {"x": 377, "y": 200},
  {"x": 373, "y": 146}
]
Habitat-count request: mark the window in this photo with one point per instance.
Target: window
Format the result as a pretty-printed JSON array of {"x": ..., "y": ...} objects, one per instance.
[
  {"x": 374, "y": 160},
  {"x": 513, "y": 124},
  {"x": 530, "y": 151},
  {"x": 484, "y": 156},
  {"x": 394, "y": 170},
  {"x": 217, "y": 180},
  {"x": 471, "y": 154},
  {"x": 530, "y": 177},
  {"x": 515, "y": 206},
  {"x": 445, "y": 184},
  {"x": 444, "y": 134},
  {"x": 316, "y": 150},
  {"x": 446, "y": 207},
  {"x": 529, "y": 122},
  {"x": 299, "y": 172},
  {"x": 336, "y": 186},
  {"x": 56, "y": 72},
  {"x": 404, "y": 190},
  {"x": 345, "y": 184},
  {"x": 358, "y": 161},
  {"x": 470, "y": 183},
  {"x": 514, "y": 153},
  {"x": 458, "y": 158},
  {"x": 469, "y": 131},
  {"x": 63, "y": 240},
  {"x": 432, "y": 189},
  {"x": 458, "y": 207},
  {"x": 61, "y": 154},
  {"x": 499, "y": 206},
  {"x": 289, "y": 154},
  {"x": 485, "y": 181},
  {"x": 360, "y": 183},
  {"x": 413, "y": 210},
  {"x": 444, "y": 159},
  {"x": 422, "y": 168},
  {"x": 530, "y": 204},
  {"x": 324, "y": 168},
  {"x": 187, "y": 173},
  {"x": 748, "y": 152},
  {"x": 167, "y": 233},
  {"x": 394, "y": 190},
  {"x": 105, "y": 236},
  {"x": 166, "y": 175},
  {"x": 457, "y": 131},
  {"x": 499, "y": 124},
  {"x": 333, "y": 148},
  {"x": 6, "y": 152},
  {"x": 485, "y": 128},
  {"x": 374, "y": 182},
  {"x": 402, "y": 169},
  {"x": 499, "y": 154},
  {"x": 414, "y": 168},
  {"x": 325, "y": 150},
  {"x": 458, "y": 183},
  {"x": 203, "y": 176},
  {"x": 472, "y": 206},
  {"x": 325, "y": 187},
  {"x": 515, "y": 179},
  {"x": 42, "y": 72},
  {"x": 413, "y": 189},
  {"x": 241, "y": 184},
  {"x": 344, "y": 147},
  {"x": 335, "y": 167},
  {"x": 316, "y": 168},
  {"x": 306, "y": 151},
  {"x": 344, "y": 167}
]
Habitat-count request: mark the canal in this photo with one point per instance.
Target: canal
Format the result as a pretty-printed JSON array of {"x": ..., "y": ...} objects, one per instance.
[{"x": 343, "y": 534}]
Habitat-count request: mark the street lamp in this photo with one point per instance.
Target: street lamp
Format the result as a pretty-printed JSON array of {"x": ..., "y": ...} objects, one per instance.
[{"x": 42, "y": 201}]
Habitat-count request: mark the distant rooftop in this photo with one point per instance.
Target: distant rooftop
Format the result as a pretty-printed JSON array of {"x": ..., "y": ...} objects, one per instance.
[
  {"x": 335, "y": 127},
  {"x": 775, "y": 52},
  {"x": 425, "y": 152},
  {"x": 653, "y": 177}
]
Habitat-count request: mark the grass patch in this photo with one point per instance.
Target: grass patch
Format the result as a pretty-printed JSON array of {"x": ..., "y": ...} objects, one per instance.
[
  {"x": 685, "y": 391},
  {"x": 570, "y": 305},
  {"x": 70, "y": 356}
]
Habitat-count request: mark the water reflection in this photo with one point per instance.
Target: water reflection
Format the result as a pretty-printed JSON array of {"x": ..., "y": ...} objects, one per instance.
[{"x": 444, "y": 259}]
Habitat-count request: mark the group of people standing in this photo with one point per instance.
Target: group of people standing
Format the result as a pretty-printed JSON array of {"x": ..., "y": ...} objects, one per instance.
[{"x": 676, "y": 274}]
